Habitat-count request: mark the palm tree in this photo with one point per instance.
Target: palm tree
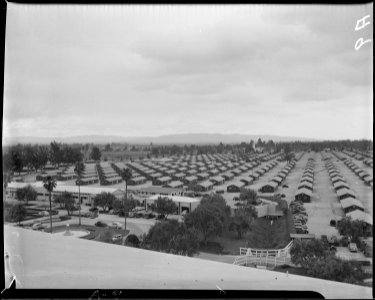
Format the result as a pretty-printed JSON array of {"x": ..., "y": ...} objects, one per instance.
[
  {"x": 78, "y": 169},
  {"x": 126, "y": 175},
  {"x": 49, "y": 184}
]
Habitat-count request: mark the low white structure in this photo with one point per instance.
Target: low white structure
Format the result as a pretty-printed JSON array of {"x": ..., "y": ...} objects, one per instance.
[
  {"x": 87, "y": 192},
  {"x": 187, "y": 204}
]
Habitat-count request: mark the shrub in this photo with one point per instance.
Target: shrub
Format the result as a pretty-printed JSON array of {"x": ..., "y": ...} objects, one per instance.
[
  {"x": 132, "y": 240},
  {"x": 100, "y": 224}
]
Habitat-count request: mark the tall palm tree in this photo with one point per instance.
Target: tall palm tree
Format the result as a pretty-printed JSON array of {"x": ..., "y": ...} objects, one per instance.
[
  {"x": 126, "y": 175},
  {"x": 78, "y": 169},
  {"x": 49, "y": 184}
]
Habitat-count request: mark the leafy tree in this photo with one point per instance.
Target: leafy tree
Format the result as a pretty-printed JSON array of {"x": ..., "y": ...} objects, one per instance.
[
  {"x": 104, "y": 200},
  {"x": 26, "y": 193},
  {"x": 17, "y": 213},
  {"x": 207, "y": 219},
  {"x": 16, "y": 159},
  {"x": 172, "y": 237},
  {"x": 353, "y": 229},
  {"x": 66, "y": 200},
  {"x": 259, "y": 143},
  {"x": 20, "y": 194},
  {"x": 130, "y": 203},
  {"x": 60, "y": 200},
  {"x": 118, "y": 206},
  {"x": 28, "y": 155},
  {"x": 334, "y": 268},
  {"x": 7, "y": 177},
  {"x": 56, "y": 154},
  {"x": 107, "y": 147},
  {"x": 95, "y": 154},
  {"x": 71, "y": 155},
  {"x": 217, "y": 201},
  {"x": 305, "y": 253},
  {"x": 249, "y": 196},
  {"x": 242, "y": 220},
  {"x": 40, "y": 157},
  {"x": 164, "y": 206},
  {"x": 49, "y": 183}
]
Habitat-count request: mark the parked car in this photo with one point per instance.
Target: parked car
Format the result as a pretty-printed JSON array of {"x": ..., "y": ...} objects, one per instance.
[
  {"x": 149, "y": 216},
  {"x": 299, "y": 220},
  {"x": 38, "y": 226},
  {"x": 353, "y": 247},
  {"x": 333, "y": 240},
  {"x": 285, "y": 186},
  {"x": 116, "y": 237},
  {"x": 220, "y": 192},
  {"x": 116, "y": 225},
  {"x": 160, "y": 217},
  {"x": 332, "y": 248},
  {"x": 100, "y": 224},
  {"x": 236, "y": 198},
  {"x": 43, "y": 213}
]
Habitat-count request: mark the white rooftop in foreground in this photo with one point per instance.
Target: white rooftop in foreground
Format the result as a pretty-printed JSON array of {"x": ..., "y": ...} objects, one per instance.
[{"x": 53, "y": 262}]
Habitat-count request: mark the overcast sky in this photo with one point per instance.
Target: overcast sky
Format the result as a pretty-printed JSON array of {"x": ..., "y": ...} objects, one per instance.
[{"x": 149, "y": 71}]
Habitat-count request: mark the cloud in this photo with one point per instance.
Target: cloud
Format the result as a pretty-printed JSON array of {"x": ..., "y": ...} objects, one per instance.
[{"x": 160, "y": 69}]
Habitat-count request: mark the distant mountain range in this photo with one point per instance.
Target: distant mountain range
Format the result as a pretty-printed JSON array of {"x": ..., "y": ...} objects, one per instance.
[{"x": 187, "y": 138}]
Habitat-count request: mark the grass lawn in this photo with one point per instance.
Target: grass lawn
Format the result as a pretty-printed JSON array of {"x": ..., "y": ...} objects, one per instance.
[
  {"x": 291, "y": 270},
  {"x": 262, "y": 235}
]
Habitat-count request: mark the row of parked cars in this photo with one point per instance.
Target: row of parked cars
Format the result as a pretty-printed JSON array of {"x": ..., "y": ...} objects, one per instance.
[{"x": 299, "y": 217}]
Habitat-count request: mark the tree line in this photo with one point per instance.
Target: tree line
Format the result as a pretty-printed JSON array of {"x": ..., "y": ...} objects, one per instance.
[{"x": 36, "y": 157}]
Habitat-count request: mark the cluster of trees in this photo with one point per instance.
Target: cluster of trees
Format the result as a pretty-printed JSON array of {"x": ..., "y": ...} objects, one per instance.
[
  {"x": 95, "y": 154},
  {"x": 107, "y": 201},
  {"x": 353, "y": 229},
  {"x": 209, "y": 220},
  {"x": 318, "y": 261},
  {"x": 36, "y": 157},
  {"x": 245, "y": 213},
  {"x": 171, "y": 236},
  {"x": 166, "y": 150},
  {"x": 66, "y": 200},
  {"x": 14, "y": 212},
  {"x": 26, "y": 194},
  {"x": 164, "y": 207},
  {"x": 362, "y": 145}
]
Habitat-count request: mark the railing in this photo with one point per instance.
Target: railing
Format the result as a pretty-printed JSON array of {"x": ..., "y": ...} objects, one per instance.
[
  {"x": 266, "y": 261},
  {"x": 266, "y": 252},
  {"x": 273, "y": 257}
]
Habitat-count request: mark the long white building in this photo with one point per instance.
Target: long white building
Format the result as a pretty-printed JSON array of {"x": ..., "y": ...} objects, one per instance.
[{"x": 87, "y": 192}]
